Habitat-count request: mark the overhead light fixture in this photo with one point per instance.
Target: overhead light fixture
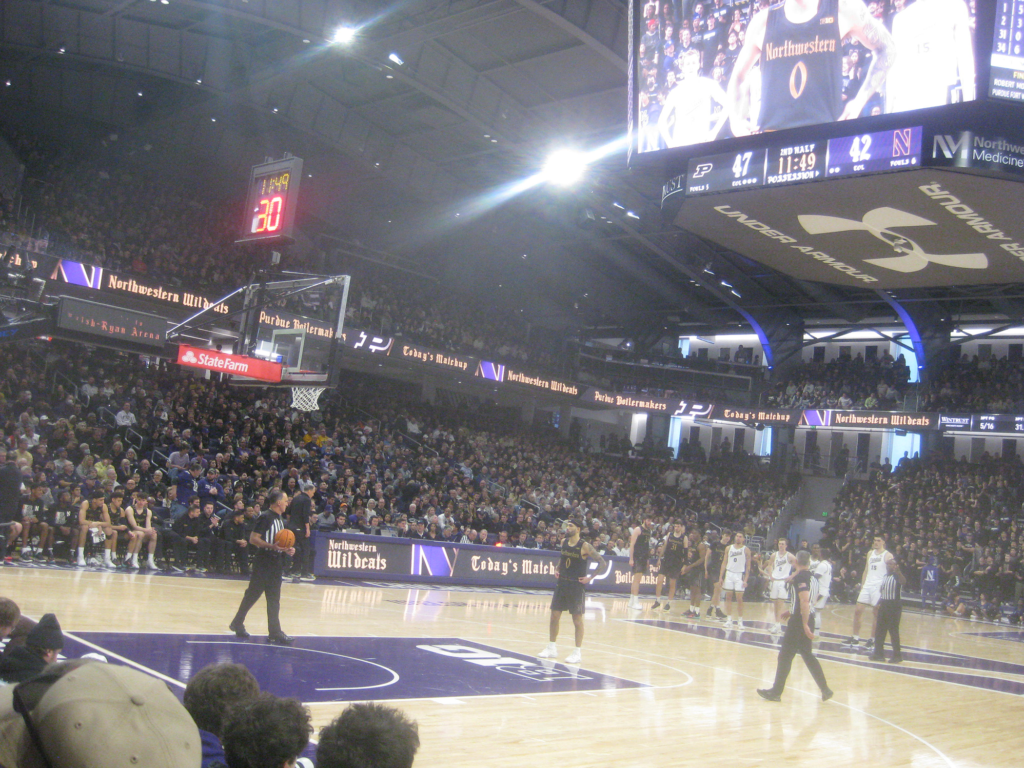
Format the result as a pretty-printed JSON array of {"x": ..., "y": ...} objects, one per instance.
[
  {"x": 165, "y": 2},
  {"x": 631, "y": 215},
  {"x": 564, "y": 167},
  {"x": 275, "y": 110},
  {"x": 344, "y": 35},
  {"x": 213, "y": 119},
  {"x": 735, "y": 294},
  {"x": 390, "y": 77},
  {"x": 395, "y": 58},
  {"x": 305, "y": 40},
  {"x": 8, "y": 83},
  {"x": 61, "y": 49},
  {"x": 138, "y": 93},
  {"x": 199, "y": 81},
  {"x": 726, "y": 283},
  {"x": 620, "y": 207}
]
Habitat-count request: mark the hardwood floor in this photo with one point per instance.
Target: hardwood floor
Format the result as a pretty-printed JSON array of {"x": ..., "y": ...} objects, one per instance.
[{"x": 652, "y": 689}]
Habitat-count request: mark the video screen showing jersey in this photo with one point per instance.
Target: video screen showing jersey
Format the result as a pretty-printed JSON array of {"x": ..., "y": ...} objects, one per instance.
[{"x": 713, "y": 69}]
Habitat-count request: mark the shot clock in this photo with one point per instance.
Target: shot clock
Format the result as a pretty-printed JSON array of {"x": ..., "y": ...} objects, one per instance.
[{"x": 271, "y": 201}]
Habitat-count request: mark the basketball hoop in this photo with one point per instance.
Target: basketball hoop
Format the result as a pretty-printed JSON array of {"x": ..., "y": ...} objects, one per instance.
[{"x": 306, "y": 398}]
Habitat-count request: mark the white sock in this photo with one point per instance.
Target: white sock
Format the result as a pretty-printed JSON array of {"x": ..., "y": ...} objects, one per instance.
[
  {"x": 106, "y": 557},
  {"x": 135, "y": 559},
  {"x": 81, "y": 553},
  {"x": 151, "y": 562}
]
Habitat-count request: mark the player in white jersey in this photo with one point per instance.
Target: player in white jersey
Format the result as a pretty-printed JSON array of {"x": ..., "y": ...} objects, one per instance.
[
  {"x": 934, "y": 53},
  {"x": 821, "y": 571},
  {"x": 870, "y": 589},
  {"x": 735, "y": 568},
  {"x": 689, "y": 114},
  {"x": 780, "y": 567}
]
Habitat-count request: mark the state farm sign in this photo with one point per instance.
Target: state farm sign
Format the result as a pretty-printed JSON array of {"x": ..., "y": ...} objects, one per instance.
[{"x": 239, "y": 365}]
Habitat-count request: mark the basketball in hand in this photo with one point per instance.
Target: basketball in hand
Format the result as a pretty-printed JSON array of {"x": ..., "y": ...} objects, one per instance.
[{"x": 285, "y": 539}]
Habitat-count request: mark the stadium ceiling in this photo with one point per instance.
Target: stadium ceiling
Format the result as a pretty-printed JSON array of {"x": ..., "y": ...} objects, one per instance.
[{"x": 413, "y": 135}]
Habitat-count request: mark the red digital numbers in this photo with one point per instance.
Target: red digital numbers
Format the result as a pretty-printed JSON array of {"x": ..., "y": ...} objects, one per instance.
[{"x": 267, "y": 216}]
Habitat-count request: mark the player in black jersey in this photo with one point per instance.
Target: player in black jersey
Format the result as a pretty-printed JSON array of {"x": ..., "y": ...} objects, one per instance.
[
  {"x": 693, "y": 572},
  {"x": 798, "y": 47},
  {"x": 672, "y": 554},
  {"x": 639, "y": 559},
  {"x": 716, "y": 556},
  {"x": 569, "y": 594}
]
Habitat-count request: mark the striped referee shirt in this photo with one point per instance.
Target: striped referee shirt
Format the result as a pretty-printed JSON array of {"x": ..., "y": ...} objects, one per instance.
[{"x": 890, "y": 589}]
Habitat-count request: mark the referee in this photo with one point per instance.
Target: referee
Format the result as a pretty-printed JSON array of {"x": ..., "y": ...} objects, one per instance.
[
  {"x": 267, "y": 569},
  {"x": 798, "y": 636},
  {"x": 890, "y": 610}
]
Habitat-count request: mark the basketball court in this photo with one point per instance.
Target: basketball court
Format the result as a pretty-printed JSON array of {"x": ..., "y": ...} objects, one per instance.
[{"x": 652, "y": 689}]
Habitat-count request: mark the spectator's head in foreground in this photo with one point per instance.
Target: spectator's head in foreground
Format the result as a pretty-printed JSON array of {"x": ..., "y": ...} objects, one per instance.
[
  {"x": 266, "y": 732},
  {"x": 87, "y": 714},
  {"x": 214, "y": 690},
  {"x": 9, "y": 615},
  {"x": 368, "y": 736}
]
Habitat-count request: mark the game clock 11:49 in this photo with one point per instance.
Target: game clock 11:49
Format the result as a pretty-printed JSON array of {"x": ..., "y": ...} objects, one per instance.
[{"x": 271, "y": 201}]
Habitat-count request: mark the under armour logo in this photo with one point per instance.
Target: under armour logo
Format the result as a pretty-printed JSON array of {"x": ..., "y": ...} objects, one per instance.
[
  {"x": 189, "y": 357},
  {"x": 879, "y": 222}
]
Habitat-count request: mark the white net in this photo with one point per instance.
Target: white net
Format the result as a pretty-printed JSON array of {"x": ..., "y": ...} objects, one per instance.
[{"x": 306, "y": 398}]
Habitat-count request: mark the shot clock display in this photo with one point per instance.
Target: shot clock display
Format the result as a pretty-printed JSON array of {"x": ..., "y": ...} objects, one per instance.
[
  {"x": 271, "y": 202},
  {"x": 792, "y": 163}
]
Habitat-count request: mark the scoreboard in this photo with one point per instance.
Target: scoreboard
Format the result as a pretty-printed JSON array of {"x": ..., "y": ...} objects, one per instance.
[
  {"x": 806, "y": 161},
  {"x": 271, "y": 201},
  {"x": 1007, "y": 74}
]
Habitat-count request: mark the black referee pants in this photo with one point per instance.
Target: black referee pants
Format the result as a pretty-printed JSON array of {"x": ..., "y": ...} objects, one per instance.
[
  {"x": 265, "y": 580},
  {"x": 795, "y": 642},
  {"x": 889, "y": 614}
]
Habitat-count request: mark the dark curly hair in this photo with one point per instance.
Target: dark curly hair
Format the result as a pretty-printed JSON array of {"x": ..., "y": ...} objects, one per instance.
[
  {"x": 214, "y": 690},
  {"x": 368, "y": 736},
  {"x": 266, "y": 732}
]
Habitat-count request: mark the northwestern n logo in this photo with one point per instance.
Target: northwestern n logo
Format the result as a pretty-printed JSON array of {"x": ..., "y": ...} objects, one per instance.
[{"x": 879, "y": 223}]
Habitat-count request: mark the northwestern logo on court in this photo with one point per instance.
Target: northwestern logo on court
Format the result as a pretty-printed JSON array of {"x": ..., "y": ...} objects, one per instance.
[{"x": 879, "y": 222}]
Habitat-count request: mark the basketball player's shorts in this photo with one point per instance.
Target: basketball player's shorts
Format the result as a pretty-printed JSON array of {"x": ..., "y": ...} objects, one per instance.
[
  {"x": 780, "y": 590},
  {"x": 569, "y": 596},
  {"x": 819, "y": 604},
  {"x": 694, "y": 579},
  {"x": 869, "y": 594},
  {"x": 669, "y": 570},
  {"x": 733, "y": 582}
]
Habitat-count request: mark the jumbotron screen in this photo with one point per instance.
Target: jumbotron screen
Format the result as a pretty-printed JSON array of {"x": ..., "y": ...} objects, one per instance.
[{"x": 714, "y": 69}]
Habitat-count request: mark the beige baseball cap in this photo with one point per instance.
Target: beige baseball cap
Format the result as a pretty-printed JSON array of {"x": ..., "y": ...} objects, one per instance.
[{"x": 95, "y": 715}]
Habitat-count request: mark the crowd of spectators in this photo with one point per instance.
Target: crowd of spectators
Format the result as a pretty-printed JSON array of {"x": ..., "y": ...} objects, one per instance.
[
  {"x": 200, "y": 455},
  {"x": 962, "y": 518},
  {"x": 846, "y": 383},
  {"x": 975, "y": 384}
]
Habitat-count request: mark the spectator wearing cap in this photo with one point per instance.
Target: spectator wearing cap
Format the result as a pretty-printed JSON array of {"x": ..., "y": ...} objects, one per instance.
[
  {"x": 91, "y": 714},
  {"x": 266, "y": 732},
  {"x": 368, "y": 735},
  {"x": 300, "y": 518},
  {"x": 42, "y": 644},
  {"x": 209, "y": 697}
]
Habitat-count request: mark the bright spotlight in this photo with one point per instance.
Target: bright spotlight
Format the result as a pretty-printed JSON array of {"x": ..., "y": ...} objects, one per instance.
[
  {"x": 564, "y": 167},
  {"x": 395, "y": 58},
  {"x": 344, "y": 35}
]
